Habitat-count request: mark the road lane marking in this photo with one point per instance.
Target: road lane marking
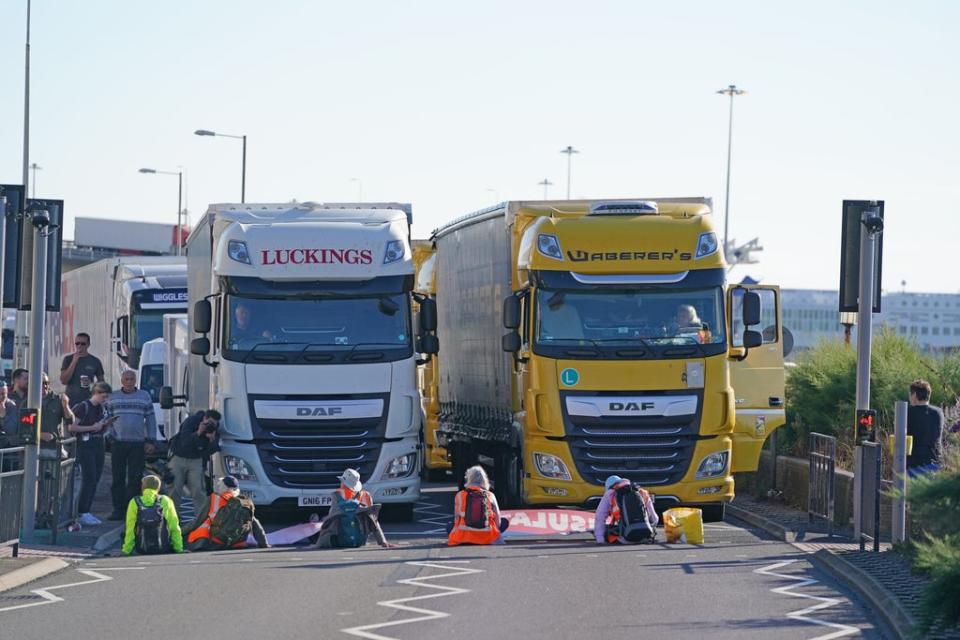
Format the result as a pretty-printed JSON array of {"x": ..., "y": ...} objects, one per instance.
[
  {"x": 439, "y": 519},
  {"x": 842, "y": 630},
  {"x": 365, "y": 631},
  {"x": 50, "y": 598}
]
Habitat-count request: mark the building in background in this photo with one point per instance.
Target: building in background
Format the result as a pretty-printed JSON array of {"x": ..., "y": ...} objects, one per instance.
[{"x": 931, "y": 319}]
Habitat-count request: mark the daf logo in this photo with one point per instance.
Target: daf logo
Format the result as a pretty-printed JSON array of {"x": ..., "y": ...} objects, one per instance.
[
  {"x": 631, "y": 406},
  {"x": 319, "y": 411}
]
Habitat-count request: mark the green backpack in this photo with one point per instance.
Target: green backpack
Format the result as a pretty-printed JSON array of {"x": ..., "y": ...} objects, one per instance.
[{"x": 233, "y": 521}]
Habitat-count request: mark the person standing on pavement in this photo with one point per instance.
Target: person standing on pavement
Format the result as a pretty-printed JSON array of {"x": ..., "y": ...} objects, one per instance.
[
  {"x": 132, "y": 435},
  {"x": 80, "y": 370},
  {"x": 9, "y": 423},
  {"x": 55, "y": 412},
  {"x": 89, "y": 426},
  {"x": 925, "y": 424},
  {"x": 20, "y": 378},
  {"x": 197, "y": 439}
]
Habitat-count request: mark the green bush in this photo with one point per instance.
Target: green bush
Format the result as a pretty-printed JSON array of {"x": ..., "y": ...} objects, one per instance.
[
  {"x": 940, "y": 557},
  {"x": 821, "y": 389}
]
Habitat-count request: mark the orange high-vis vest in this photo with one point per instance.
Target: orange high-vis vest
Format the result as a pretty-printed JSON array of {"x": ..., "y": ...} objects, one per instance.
[
  {"x": 363, "y": 498},
  {"x": 217, "y": 502},
  {"x": 615, "y": 510},
  {"x": 463, "y": 534}
]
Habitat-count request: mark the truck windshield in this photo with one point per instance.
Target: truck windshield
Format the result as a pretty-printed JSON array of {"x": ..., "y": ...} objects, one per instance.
[
  {"x": 625, "y": 317},
  {"x": 146, "y": 326},
  {"x": 339, "y": 323}
]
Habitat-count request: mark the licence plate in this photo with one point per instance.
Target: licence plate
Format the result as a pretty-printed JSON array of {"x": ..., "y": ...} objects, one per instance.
[{"x": 314, "y": 501}]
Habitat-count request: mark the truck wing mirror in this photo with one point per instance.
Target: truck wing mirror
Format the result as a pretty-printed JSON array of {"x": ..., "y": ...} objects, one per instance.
[
  {"x": 428, "y": 344},
  {"x": 511, "y": 342},
  {"x": 751, "y": 308},
  {"x": 428, "y": 315},
  {"x": 200, "y": 347},
  {"x": 202, "y": 318},
  {"x": 511, "y": 313},
  {"x": 166, "y": 397},
  {"x": 752, "y": 339}
]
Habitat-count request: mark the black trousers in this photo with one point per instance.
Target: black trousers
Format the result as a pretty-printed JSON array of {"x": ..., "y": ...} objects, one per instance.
[
  {"x": 126, "y": 461},
  {"x": 90, "y": 456}
]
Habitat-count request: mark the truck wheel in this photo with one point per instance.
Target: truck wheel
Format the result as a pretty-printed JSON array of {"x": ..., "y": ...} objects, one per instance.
[
  {"x": 713, "y": 512},
  {"x": 508, "y": 478},
  {"x": 459, "y": 455}
]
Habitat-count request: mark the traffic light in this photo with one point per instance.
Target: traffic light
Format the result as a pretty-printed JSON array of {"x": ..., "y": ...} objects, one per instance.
[
  {"x": 866, "y": 425},
  {"x": 28, "y": 425}
]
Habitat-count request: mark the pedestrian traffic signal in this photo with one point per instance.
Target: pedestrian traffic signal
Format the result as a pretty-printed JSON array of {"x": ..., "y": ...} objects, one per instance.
[
  {"x": 866, "y": 425},
  {"x": 27, "y": 431}
]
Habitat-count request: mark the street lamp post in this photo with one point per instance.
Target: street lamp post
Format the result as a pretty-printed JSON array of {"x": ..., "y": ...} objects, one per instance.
[
  {"x": 243, "y": 170},
  {"x": 179, "y": 175},
  {"x": 731, "y": 91},
  {"x": 569, "y": 151},
  {"x": 33, "y": 186},
  {"x": 546, "y": 184}
]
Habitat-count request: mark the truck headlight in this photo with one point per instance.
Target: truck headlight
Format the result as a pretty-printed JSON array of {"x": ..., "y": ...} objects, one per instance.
[
  {"x": 237, "y": 250},
  {"x": 239, "y": 469},
  {"x": 550, "y": 466},
  {"x": 394, "y": 251},
  {"x": 707, "y": 244},
  {"x": 400, "y": 467},
  {"x": 549, "y": 246},
  {"x": 713, "y": 465}
]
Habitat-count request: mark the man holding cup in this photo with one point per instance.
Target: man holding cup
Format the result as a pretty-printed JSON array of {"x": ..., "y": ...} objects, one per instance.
[{"x": 80, "y": 370}]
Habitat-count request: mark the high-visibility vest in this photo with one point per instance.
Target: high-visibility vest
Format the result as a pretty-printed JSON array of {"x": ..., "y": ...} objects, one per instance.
[
  {"x": 217, "y": 501},
  {"x": 463, "y": 534},
  {"x": 363, "y": 498}
]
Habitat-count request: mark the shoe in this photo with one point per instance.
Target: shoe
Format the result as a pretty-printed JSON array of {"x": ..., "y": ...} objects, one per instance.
[
  {"x": 89, "y": 520},
  {"x": 116, "y": 515}
]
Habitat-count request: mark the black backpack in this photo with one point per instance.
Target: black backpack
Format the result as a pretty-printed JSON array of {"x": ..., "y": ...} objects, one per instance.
[
  {"x": 476, "y": 509},
  {"x": 151, "y": 529},
  {"x": 635, "y": 525},
  {"x": 233, "y": 521}
]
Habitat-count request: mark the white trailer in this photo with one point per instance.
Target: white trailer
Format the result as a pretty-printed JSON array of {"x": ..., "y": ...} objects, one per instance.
[
  {"x": 307, "y": 348},
  {"x": 120, "y": 302},
  {"x": 176, "y": 371}
]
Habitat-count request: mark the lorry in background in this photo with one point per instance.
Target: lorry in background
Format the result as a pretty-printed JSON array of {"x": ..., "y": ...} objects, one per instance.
[
  {"x": 9, "y": 331},
  {"x": 120, "y": 302},
  {"x": 435, "y": 462},
  {"x": 306, "y": 347},
  {"x": 129, "y": 236},
  {"x": 176, "y": 370},
  {"x": 153, "y": 358},
  {"x": 626, "y": 352}
]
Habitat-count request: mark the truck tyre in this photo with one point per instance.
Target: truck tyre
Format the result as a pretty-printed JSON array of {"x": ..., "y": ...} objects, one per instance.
[
  {"x": 460, "y": 463},
  {"x": 508, "y": 479},
  {"x": 713, "y": 512}
]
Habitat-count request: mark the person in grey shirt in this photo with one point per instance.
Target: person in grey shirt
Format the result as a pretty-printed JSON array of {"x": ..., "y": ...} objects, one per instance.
[
  {"x": 8, "y": 419},
  {"x": 132, "y": 435}
]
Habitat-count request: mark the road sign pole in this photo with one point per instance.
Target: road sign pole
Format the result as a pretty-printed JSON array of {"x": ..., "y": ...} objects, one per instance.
[
  {"x": 900, "y": 474},
  {"x": 38, "y": 304},
  {"x": 3, "y": 247},
  {"x": 868, "y": 243}
]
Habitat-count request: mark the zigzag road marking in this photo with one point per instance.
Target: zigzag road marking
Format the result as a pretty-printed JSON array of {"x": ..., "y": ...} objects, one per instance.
[
  {"x": 50, "y": 598},
  {"x": 424, "y": 615},
  {"x": 842, "y": 630},
  {"x": 438, "y": 519}
]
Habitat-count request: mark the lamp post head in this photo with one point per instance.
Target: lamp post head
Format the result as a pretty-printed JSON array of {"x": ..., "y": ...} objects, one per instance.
[
  {"x": 204, "y": 132},
  {"x": 145, "y": 170}
]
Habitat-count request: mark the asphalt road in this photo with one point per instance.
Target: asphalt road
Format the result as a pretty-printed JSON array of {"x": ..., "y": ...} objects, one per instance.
[{"x": 737, "y": 585}]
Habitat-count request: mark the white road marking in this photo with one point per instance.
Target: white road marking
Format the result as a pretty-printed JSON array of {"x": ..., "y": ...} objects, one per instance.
[
  {"x": 434, "y": 515},
  {"x": 842, "y": 630},
  {"x": 50, "y": 598},
  {"x": 425, "y": 614}
]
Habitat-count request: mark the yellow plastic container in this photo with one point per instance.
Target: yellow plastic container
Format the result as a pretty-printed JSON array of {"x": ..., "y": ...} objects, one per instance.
[
  {"x": 683, "y": 524},
  {"x": 891, "y": 442}
]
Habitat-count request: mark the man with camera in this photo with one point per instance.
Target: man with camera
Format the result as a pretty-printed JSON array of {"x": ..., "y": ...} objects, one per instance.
[{"x": 197, "y": 439}]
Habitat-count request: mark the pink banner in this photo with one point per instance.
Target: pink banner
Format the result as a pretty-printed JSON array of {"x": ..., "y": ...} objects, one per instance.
[{"x": 539, "y": 522}]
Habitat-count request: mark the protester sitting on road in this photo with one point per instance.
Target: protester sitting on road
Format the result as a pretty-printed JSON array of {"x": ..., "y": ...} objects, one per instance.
[
  {"x": 227, "y": 522},
  {"x": 89, "y": 426},
  {"x": 476, "y": 514},
  {"x": 152, "y": 522},
  {"x": 353, "y": 516},
  {"x": 630, "y": 509},
  {"x": 197, "y": 439}
]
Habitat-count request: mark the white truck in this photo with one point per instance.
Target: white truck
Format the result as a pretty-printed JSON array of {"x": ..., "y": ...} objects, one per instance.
[
  {"x": 176, "y": 369},
  {"x": 120, "y": 302},
  {"x": 9, "y": 330},
  {"x": 307, "y": 348}
]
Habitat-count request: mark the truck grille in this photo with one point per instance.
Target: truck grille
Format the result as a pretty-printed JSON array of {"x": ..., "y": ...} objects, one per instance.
[
  {"x": 310, "y": 454},
  {"x": 650, "y": 450}
]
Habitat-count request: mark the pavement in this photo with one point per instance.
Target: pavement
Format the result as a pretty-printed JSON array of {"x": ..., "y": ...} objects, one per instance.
[{"x": 742, "y": 583}]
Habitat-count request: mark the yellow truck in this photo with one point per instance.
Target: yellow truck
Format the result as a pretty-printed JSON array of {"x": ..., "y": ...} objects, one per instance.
[
  {"x": 589, "y": 338},
  {"x": 435, "y": 462}
]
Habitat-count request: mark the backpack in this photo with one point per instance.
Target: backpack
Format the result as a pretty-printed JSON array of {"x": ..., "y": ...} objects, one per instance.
[
  {"x": 350, "y": 532},
  {"x": 476, "y": 509},
  {"x": 233, "y": 522},
  {"x": 151, "y": 528},
  {"x": 634, "y": 525}
]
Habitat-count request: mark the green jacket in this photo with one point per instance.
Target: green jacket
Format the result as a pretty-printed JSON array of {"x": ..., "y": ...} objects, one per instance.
[{"x": 149, "y": 497}]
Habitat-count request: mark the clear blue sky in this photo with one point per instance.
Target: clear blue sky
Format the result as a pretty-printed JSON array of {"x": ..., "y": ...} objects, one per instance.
[{"x": 434, "y": 103}]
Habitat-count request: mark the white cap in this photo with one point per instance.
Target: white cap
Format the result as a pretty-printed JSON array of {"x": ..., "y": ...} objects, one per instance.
[{"x": 351, "y": 479}]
